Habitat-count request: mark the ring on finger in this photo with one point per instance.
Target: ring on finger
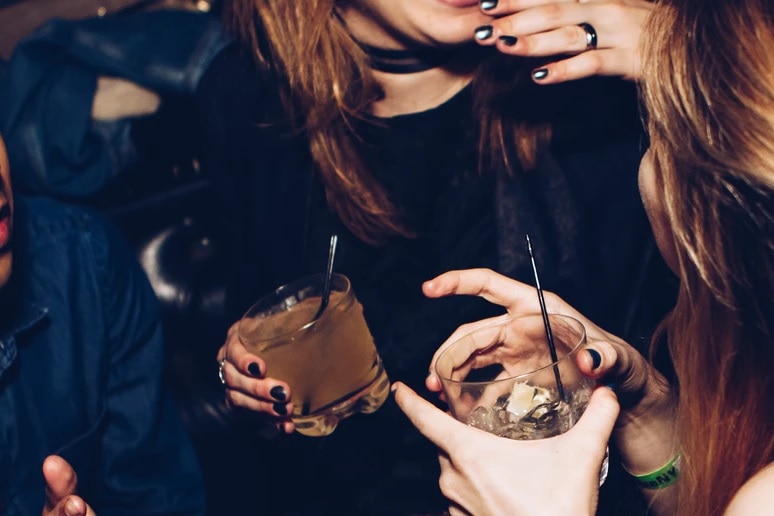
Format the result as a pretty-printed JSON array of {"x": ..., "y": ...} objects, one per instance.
[
  {"x": 221, "y": 364},
  {"x": 591, "y": 35}
]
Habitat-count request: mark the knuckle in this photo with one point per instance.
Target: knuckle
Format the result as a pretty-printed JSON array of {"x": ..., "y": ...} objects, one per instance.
[
  {"x": 259, "y": 390},
  {"x": 446, "y": 485},
  {"x": 504, "y": 26},
  {"x": 574, "y": 37},
  {"x": 552, "y": 12},
  {"x": 595, "y": 63},
  {"x": 527, "y": 45}
]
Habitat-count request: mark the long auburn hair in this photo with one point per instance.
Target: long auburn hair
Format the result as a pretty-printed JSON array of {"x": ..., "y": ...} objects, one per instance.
[
  {"x": 708, "y": 91},
  {"x": 329, "y": 85}
]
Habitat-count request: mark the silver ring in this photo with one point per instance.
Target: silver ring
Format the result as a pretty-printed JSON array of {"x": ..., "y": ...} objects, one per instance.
[
  {"x": 591, "y": 35},
  {"x": 221, "y": 363}
]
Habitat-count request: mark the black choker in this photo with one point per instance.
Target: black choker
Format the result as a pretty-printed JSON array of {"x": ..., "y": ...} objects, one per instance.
[{"x": 407, "y": 61}]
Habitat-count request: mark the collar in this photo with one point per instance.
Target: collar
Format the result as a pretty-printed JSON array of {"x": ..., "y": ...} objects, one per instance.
[{"x": 407, "y": 61}]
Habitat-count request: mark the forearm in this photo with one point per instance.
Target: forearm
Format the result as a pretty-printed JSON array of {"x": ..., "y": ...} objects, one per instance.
[{"x": 647, "y": 441}]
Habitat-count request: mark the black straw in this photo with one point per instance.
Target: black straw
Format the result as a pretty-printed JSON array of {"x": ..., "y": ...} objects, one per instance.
[
  {"x": 549, "y": 335},
  {"x": 326, "y": 293}
]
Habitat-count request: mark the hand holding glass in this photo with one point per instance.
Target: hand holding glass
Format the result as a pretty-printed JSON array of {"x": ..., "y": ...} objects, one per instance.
[
  {"x": 329, "y": 362},
  {"x": 501, "y": 378}
]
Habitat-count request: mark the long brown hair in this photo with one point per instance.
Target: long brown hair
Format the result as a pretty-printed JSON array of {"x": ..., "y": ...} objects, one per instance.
[
  {"x": 708, "y": 90},
  {"x": 328, "y": 85}
]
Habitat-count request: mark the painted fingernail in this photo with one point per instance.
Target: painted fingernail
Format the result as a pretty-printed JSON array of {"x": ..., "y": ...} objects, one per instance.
[
  {"x": 488, "y": 5},
  {"x": 509, "y": 41},
  {"x": 611, "y": 386},
  {"x": 280, "y": 408},
  {"x": 484, "y": 32},
  {"x": 540, "y": 73},
  {"x": 278, "y": 393},
  {"x": 255, "y": 370},
  {"x": 596, "y": 358}
]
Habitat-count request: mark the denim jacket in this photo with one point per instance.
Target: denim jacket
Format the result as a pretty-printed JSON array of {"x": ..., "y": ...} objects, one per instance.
[
  {"x": 81, "y": 365},
  {"x": 47, "y": 90}
]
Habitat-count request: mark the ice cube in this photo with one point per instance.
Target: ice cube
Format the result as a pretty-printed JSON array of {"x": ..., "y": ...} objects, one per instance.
[
  {"x": 481, "y": 418},
  {"x": 520, "y": 401}
]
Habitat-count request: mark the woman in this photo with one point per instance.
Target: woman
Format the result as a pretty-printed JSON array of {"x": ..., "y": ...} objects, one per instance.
[
  {"x": 414, "y": 131},
  {"x": 708, "y": 186}
]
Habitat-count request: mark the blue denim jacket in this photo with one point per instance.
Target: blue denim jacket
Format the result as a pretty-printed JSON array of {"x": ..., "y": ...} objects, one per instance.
[
  {"x": 81, "y": 362},
  {"x": 47, "y": 90}
]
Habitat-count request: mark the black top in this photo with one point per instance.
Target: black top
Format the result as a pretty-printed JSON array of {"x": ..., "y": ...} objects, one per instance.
[{"x": 581, "y": 208}]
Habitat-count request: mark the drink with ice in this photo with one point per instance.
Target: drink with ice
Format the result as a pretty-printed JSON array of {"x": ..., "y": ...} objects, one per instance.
[
  {"x": 501, "y": 378},
  {"x": 530, "y": 412}
]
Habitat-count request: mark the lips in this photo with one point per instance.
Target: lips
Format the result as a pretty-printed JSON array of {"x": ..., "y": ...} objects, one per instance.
[{"x": 5, "y": 226}]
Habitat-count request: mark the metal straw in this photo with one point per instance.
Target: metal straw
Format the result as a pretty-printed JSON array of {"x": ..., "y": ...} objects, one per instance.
[
  {"x": 326, "y": 293},
  {"x": 325, "y": 298},
  {"x": 549, "y": 335}
]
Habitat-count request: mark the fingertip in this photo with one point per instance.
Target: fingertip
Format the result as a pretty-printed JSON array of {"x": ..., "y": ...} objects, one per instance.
[
  {"x": 286, "y": 426},
  {"x": 50, "y": 463},
  {"x": 590, "y": 361},
  {"x": 255, "y": 370},
  {"x": 58, "y": 473},
  {"x": 540, "y": 75},
  {"x": 432, "y": 382},
  {"x": 399, "y": 389},
  {"x": 599, "y": 359},
  {"x": 430, "y": 288},
  {"x": 607, "y": 397},
  {"x": 74, "y": 506}
]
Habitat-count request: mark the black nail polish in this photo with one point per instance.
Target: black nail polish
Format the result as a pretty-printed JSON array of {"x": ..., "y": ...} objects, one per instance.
[
  {"x": 280, "y": 408},
  {"x": 540, "y": 73},
  {"x": 484, "y": 32},
  {"x": 596, "y": 358},
  {"x": 278, "y": 393},
  {"x": 255, "y": 370},
  {"x": 488, "y": 5},
  {"x": 509, "y": 41}
]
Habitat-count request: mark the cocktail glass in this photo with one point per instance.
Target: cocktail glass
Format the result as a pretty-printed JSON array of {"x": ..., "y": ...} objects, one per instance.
[
  {"x": 501, "y": 378},
  {"x": 329, "y": 362}
]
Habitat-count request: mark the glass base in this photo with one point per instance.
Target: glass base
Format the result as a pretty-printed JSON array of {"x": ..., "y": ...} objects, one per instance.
[{"x": 366, "y": 401}]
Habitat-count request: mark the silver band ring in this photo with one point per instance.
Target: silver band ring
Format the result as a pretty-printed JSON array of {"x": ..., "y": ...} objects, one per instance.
[
  {"x": 221, "y": 363},
  {"x": 591, "y": 35}
]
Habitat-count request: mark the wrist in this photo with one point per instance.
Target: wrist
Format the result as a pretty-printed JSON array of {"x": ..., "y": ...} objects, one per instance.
[
  {"x": 646, "y": 437},
  {"x": 660, "y": 478}
]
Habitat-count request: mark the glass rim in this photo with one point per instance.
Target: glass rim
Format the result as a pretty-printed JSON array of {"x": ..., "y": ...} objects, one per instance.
[
  {"x": 289, "y": 287},
  {"x": 501, "y": 321}
]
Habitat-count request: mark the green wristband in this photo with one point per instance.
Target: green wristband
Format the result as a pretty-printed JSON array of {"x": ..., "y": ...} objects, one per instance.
[{"x": 663, "y": 477}]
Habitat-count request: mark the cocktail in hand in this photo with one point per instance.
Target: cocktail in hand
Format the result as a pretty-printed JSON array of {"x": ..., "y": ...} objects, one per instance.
[
  {"x": 502, "y": 378},
  {"x": 329, "y": 361}
]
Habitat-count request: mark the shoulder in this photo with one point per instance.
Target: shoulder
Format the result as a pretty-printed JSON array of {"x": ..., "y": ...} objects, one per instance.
[{"x": 756, "y": 496}]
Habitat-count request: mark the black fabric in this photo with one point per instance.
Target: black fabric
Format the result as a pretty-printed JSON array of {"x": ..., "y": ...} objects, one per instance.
[{"x": 581, "y": 208}]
